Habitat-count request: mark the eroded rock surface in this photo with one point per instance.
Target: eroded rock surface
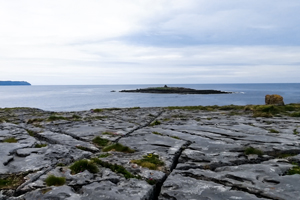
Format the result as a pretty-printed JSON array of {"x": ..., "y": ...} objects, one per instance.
[{"x": 217, "y": 154}]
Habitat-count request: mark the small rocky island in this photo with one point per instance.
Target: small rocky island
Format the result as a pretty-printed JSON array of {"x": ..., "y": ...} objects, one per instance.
[
  {"x": 174, "y": 153},
  {"x": 175, "y": 90},
  {"x": 2, "y": 83}
]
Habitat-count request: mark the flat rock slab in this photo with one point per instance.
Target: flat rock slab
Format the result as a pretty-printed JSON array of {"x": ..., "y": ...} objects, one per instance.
[{"x": 204, "y": 154}]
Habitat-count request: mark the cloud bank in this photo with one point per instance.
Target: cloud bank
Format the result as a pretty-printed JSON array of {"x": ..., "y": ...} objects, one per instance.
[{"x": 149, "y": 41}]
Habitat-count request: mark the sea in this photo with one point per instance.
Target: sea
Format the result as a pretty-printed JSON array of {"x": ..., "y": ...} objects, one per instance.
[{"x": 86, "y": 97}]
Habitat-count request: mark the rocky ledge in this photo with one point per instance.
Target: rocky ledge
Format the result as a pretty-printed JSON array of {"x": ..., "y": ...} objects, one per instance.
[
  {"x": 175, "y": 90},
  {"x": 183, "y": 153}
]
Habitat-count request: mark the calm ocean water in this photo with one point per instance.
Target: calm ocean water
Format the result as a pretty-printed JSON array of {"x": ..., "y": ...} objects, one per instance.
[{"x": 76, "y": 98}]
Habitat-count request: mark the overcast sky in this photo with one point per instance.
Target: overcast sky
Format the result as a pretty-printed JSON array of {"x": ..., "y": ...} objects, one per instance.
[{"x": 82, "y": 42}]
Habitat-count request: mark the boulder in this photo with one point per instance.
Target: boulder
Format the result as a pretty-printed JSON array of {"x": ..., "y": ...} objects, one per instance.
[{"x": 274, "y": 99}]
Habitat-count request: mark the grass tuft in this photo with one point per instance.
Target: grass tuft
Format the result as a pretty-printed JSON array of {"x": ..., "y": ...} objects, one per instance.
[
  {"x": 118, "y": 147},
  {"x": 294, "y": 170},
  {"x": 150, "y": 161},
  {"x": 115, "y": 168},
  {"x": 100, "y": 141},
  {"x": 81, "y": 165},
  {"x": 104, "y": 155},
  {"x": 251, "y": 150},
  {"x": 273, "y": 131},
  {"x": 157, "y": 133},
  {"x": 56, "y": 181},
  {"x": 40, "y": 145},
  {"x": 54, "y": 118},
  {"x": 10, "y": 140},
  {"x": 156, "y": 122}
]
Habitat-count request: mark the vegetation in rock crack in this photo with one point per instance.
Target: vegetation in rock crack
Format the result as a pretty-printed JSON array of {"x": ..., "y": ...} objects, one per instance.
[
  {"x": 100, "y": 141},
  {"x": 30, "y": 132},
  {"x": 294, "y": 170},
  {"x": 118, "y": 147},
  {"x": 156, "y": 122},
  {"x": 150, "y": 161},
  {"x": 35, "y": 120},
  {"x": 56, "y": 181},
  {"x": 109, "y": 133},
  {"x": 157, "y": 133},
  {"x": 104, "y": 155},
  {"x": 295, "y": 132},
  {"x": 115, "y": 168},
  {"x": 273, "y": 131},
  {"x": 10, "y": 140},
  {"x": 151, "y": 181},
  {"x": 55, "y": 117},
  {"x": 251, "y": 150},
  {"x": 175, "y": 137},
  {"x": 81, "y": 165},
  {"x": 285, "y": 155},
  {"x": 12, "y": 181},
  {"x": 40, "y": 145},
  {"x": 83, "y": 148}
]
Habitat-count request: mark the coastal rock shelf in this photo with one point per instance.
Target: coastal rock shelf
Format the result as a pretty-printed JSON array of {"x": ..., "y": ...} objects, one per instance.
[
  {"x": 182, "y": 153},
  {"x": 175, "y": 90}
]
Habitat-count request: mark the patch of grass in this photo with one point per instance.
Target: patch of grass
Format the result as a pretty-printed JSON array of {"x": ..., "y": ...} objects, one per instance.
[
  {"x": 56, "y": 181},
  {"x": 31, "y": 133},
  {"x": 134, "y": 108},
  {"x": 273, "y": 131},
  {"x": 118, "y": 147},
  {"x": 55, "y": 118},
  {"x": 35, "y": 120},
  {"x": 285, "y": 155},
  {"x": 113, "y": 109},
  {"x": 294, "y": 170},
  {"x": 100, "y": 141},
  {"x": 251, "y": 150},
  {"x": 157, "y": 133},
  {"x": 156, "y": 122},
  {"x": 97, "y": 110},
  {"x": 104, "y": 155},
  {"x": 82, "y": 148},
  {"x": 10, "y": 140},
  {"x": 175, "y": 137},
  {"x": 11, "y": 181},
  {"x": 151, "y": 181},
  {"x": 40, "y": 145},
  {"x": 115, "y": 168},
  {"x": 81, "y": 165},
  {"x": 295, "y": 132},
  {"x": 150, "y": 161},
  {"x": 262, "y": 114},
  {"x": 295, "y": 114},
  {"x": 76, "y": 116}
]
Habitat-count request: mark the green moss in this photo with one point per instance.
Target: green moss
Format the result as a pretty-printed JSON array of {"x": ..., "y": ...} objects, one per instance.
[
  {"x": 157, "y": 133},
  {"x": 100, "y": 141},
  {"x": 81, "y": 165},
  {"x": 150, "y": 161},
  {"x": 55, "y": 118},
  {"x": 56, "y": 181},
  {"x": 295, "y": 132},
  {"x": 175, "y": 137},
  {"x": 118, "y": 147},
  {"x": 273, "y": 131},
  {"x": 156, "y": 122},
  {"x": 40, "y": 145},
  {"x": 294, "y": 170},
  {"x": 251, "y": 150},
  {"x": 10, "y": 140},
  {"x": 115, "y": 168},
  {"x": 104, "y": 155}
]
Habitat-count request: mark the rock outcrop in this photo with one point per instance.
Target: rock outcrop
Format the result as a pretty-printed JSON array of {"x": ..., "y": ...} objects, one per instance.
[
  {"x": 274, "y": 99},
  {"x": 178, "y": 153}
]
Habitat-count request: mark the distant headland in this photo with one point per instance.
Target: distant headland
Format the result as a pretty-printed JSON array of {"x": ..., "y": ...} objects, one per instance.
[
  {"x": 175, "y": 90},
  {"x": 2, "y": 83}
]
